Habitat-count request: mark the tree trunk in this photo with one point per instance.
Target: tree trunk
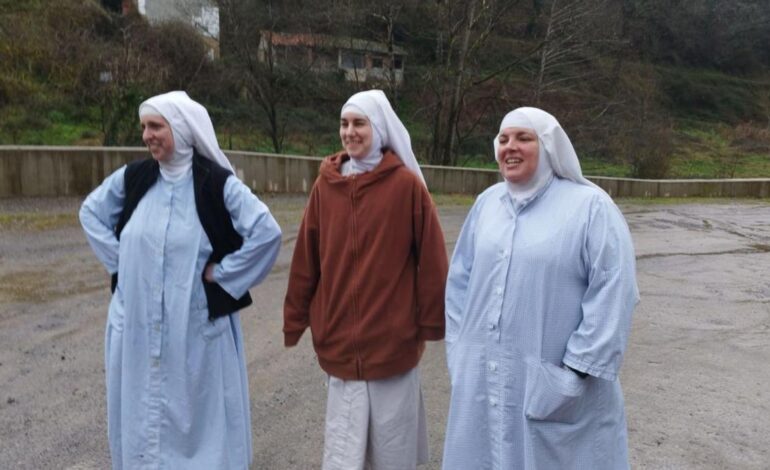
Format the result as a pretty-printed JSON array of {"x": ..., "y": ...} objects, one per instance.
[
  {"x": 454, "y": 106},
  {"x": 544, "y": 55}
]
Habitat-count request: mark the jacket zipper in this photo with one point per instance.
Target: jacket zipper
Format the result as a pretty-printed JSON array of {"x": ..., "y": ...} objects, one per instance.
[{"x": 356, "y": 320}]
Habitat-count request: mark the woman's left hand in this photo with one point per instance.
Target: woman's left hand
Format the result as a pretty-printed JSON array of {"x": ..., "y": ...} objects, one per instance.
[{"x": 208, "y": 274}]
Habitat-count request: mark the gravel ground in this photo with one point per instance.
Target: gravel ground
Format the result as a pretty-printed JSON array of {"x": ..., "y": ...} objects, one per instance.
[{"x": 696, "y": 376}]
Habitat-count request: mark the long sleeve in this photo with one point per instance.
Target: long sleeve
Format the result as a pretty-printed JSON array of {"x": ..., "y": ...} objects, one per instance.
[
  {"x": 304, "y": 274},
  {"x": 431, "y": 269},
  {"x": 99, "y": 214},
  {"x": 459, "y": 275},
  {"x": 599, "y": 342},
  {"x": 247, "y": 266}
]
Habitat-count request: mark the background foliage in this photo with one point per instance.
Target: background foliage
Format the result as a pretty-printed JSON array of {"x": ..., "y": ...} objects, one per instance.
[{"x": 647, "y": 88}]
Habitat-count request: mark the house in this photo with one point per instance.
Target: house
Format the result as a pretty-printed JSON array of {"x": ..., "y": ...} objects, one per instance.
[
  {"x": 360, "y": 60},
  {"x": 201, "y": 14}
]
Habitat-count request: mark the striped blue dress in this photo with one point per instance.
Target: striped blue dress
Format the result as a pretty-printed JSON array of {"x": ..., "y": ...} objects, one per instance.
[
  {"x": 531, "y": 289},
  {"x": 177, "y": 391}
]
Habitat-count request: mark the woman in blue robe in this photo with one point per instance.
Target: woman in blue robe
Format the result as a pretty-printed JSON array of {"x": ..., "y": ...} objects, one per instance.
[
  {"x": 177, "y": 391},
  {"x": 540, "y": 292}
]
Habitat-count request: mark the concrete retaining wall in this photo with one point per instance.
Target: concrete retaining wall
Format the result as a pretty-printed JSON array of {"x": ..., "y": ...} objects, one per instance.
[{"x": 73, "y": 171}]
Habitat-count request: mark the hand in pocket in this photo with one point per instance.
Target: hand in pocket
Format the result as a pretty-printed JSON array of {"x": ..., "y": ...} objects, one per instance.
[{"x": 553, "y": 393}]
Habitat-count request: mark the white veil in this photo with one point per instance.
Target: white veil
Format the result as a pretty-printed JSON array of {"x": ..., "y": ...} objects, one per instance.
[
  {"x": 386, "y": 124},
  {"x": 190, "y": 123}
]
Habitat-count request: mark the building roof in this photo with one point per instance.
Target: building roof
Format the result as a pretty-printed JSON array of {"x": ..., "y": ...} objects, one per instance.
[{"x": 325, "y": 40}]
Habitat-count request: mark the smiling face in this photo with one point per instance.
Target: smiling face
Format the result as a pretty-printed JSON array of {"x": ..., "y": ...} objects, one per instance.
[
  {"x": 517, "y": 154},
  {"x": 157, "y": 136},
  {"x": 355, "y": 134}
]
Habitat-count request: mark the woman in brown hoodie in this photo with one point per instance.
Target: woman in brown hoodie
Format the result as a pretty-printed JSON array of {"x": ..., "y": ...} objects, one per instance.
[{"x": 368, "y": 277}]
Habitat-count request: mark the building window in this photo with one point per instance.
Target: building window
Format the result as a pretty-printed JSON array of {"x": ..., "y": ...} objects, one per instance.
[
  {"x": 398, "y": 63},
  {"x": 376, "y": 62},
  {"x": 351, "y": 60},
  {"x": 324, "y": 59}
]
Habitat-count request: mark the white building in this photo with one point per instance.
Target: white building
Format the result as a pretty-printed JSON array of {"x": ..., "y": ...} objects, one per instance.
[{"x": 202, "y": 14}]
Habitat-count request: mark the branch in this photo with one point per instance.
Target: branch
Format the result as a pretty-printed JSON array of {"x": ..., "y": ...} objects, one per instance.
[
  {"x": 508, "y": 66},
  {"x": 551, "y": 84}
]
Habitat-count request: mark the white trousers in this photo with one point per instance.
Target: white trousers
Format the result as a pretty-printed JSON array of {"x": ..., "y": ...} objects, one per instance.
[{"x": 375, "y": 424}]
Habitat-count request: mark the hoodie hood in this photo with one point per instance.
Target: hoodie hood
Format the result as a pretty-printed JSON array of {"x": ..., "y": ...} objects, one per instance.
[{"x": 330, "y": 169}]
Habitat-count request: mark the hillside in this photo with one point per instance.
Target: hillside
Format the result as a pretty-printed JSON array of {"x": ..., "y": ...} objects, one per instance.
[{"x": 643, "y": 89}]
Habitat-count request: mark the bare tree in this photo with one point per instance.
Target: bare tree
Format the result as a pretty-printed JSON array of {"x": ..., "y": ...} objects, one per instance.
[
  {"x": 574, "y": 32},
  {"x": 388, "y": 15},
  {"x": 119, "y": 75},
  {"x": 274, "y": 83},
  {"x": 463, "y": 28}
]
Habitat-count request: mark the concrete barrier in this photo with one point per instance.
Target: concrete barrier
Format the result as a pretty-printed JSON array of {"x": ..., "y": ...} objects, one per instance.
[
  {"x": 75, "y": 171},
  {"x": 732, "y": 188}
]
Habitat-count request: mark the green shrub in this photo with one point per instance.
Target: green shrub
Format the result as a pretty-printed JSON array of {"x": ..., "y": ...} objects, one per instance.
[{"x": 710, "y": 95}]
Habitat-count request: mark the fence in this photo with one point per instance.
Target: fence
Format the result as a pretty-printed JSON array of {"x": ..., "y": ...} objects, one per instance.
[{"x": 75, "y": 171}]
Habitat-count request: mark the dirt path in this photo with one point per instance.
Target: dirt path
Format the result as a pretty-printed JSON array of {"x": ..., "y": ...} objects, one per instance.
[{"x": 696, "y": 376}]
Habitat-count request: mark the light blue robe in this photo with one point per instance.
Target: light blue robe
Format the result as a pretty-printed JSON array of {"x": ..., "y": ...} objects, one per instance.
[
  {"x": 531, "y": 289},
  {"x": 177, "y": 392}
]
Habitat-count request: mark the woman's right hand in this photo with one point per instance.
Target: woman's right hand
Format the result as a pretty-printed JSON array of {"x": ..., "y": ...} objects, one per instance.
[{"x": 208, "y": 273}]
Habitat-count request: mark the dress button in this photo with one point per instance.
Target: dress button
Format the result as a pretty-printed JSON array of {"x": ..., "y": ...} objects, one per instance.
[
  {"x": 492, "y": 366},
  {"x": 491, "y": 326},
  {"x": 493, "y": 402},
  {"x": 499, "y": 291}
]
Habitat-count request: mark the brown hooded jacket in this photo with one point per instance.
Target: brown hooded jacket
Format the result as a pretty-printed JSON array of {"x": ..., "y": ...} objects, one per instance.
[{"x": 368, "y": 272}]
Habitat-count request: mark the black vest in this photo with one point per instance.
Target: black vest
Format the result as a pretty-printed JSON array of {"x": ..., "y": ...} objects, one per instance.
[{"x": 209, "y": 182}]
